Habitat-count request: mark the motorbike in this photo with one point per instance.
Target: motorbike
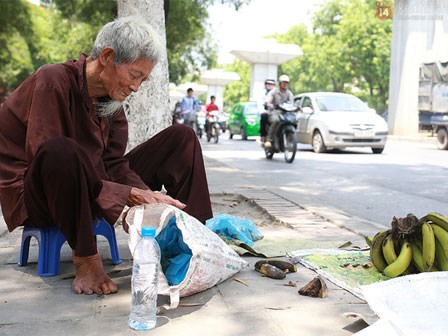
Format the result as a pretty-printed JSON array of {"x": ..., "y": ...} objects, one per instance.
[
  {"x": 285, "y": 137},
  {"x": 178, "y": 118},
  {"x": 214, "y": 127},
  {"x": 223, "y": 116},
  {"x": 200, "y": 123}
]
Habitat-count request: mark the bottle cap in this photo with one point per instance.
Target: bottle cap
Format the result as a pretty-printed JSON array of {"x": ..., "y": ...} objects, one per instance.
[{"x": 148, "y": 231}]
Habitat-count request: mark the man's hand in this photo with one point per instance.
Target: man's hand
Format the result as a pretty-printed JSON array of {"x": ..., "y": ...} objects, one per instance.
[{"x": 140, "y": 196}]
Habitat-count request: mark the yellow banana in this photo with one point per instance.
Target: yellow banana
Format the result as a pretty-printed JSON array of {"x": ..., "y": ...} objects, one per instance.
[
  {"x": 429, "y": 246},
  {"x": 397, "y": 245},
  {"x": 401, "y": 263},
  {"x": 441, "y": 257},
  {"x": 417, "y": 257},
  {"x": 368, "y": 240},
  {"x": 442, "y": 237},
  {"x": 389, "y": 249},
  {"x": 376, "y": 251},
  {"x": 436, "y": 218}
]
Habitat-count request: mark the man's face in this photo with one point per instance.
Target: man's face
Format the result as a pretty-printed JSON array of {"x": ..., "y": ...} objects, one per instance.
[
  {"x": 123, "y": 79},
  {"x": 269, "y": 86},
  {"x": 190, "y": 94},
  {"x": 284, "y": 85}
]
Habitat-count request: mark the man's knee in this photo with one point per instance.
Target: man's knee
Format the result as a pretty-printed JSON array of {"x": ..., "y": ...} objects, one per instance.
[
  {"x": 59, "y": 153},
  {"x": 58, "y": 146},
  {"x": 182, "y": 132}
]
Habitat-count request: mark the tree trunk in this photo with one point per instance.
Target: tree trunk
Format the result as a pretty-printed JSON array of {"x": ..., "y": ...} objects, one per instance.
[
  {"x": 148, "y": 109},
  {"x": 383, "y": 96}
]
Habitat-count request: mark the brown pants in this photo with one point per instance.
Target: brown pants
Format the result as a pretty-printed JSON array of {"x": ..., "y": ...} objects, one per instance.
[{"x": 61, "y": 184}]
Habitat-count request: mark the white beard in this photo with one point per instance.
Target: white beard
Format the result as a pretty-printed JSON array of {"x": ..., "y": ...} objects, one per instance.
[{"x": 108, "y": 109}]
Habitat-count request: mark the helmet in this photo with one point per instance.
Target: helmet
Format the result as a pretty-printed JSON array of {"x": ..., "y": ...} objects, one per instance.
[
  {"x": 283, "y": 78},
  {"x": 269, "y": 81}
]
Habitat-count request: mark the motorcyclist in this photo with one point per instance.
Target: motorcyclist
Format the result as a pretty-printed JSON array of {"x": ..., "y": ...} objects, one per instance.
[
  {"x": 269, "y": 84},
  {"x": 189, "y": 106},
  {"x": 274, "y": 98},
  {"x": 176, "y": 114},
  {"x": 210, "y": 107}
]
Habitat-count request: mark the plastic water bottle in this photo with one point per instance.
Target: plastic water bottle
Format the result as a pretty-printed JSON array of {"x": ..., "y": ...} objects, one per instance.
[{"x": 144, "y": 281}]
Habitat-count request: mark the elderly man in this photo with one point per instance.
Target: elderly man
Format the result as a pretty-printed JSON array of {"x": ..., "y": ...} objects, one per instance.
[{"x": 63, "y": 135}]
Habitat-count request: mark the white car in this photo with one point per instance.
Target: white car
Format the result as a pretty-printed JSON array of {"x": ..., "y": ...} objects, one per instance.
[{"x": 338, "y": 120}]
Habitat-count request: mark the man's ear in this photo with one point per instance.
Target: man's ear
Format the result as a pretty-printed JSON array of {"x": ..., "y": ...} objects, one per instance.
[{"x": 107, "y": 55}]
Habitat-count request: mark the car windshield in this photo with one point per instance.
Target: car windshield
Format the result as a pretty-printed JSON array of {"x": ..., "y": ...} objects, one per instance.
[
  {"x": 341, "y": 103},
  {"x": 251, "y": 109}
]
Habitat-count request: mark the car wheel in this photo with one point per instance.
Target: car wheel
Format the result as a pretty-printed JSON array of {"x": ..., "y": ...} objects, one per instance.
[
  {"x": 243, "y": 133},
  {"x": 318, "y": 143},
  {"x": 377, "y": 150},
  {"x": 442, "y": 138}
]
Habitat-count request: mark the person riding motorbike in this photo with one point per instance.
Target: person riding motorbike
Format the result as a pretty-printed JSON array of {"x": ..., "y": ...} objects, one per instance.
[
  {"x": 274, "y": 98},
  {"x": 269, "y": 84},
  {"x": 189, "y": 106},
  {"x": 177, "y": 114},
  {"x": 209, "y": 108}
]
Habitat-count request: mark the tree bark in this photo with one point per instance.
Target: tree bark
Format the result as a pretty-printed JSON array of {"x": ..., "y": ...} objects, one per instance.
[
  {"x": 148, "y": 109},
  {"x": 383, "y": 94}
]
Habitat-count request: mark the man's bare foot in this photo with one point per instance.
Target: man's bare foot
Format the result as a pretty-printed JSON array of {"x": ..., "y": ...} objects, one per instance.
[{"x": 90, "y": 276}]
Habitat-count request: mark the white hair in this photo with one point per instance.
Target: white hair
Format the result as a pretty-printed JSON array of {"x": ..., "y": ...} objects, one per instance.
[
  {"x": 131, "y": 38},
  {"x": 108, "y": 108}
]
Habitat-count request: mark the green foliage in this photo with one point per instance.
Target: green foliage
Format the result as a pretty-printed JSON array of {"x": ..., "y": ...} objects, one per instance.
[
  {"x": 237, "y": 91},
  {"x": 347, "y": 51},
  {"x": 17, "y": 62},
  {"x": 29, "y": 39},
  {"x": 14, "y": 16},
  {"x": 57, "y": 45},
  {"x": 326, "y": 21},
  {"x": 14, "y": 55},
  {"x": 78, "y": 22},
  {"x": 94, "y": 12},
  {"x": 368, "y": 43},
  {"x": 39, "y": 35},
  {"x": 189, "y": 45},
  {"x": 295, "y": 35}
]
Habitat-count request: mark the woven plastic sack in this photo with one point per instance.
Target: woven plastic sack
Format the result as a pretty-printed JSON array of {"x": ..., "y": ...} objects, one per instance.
[{"x": 211, "y": 262}]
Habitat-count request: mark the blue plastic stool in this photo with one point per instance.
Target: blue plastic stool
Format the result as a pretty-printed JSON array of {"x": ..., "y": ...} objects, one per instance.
[{"x": 51, "y": 240}]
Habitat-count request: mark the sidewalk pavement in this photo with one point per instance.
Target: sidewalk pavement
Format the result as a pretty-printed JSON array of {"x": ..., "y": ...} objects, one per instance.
[
  {"x": 421, "y": 137},
  {"x": 47, "y": 306}
]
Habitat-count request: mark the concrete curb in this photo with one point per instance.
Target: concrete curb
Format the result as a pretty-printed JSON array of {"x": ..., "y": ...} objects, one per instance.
[{"x": 421, "y": 138}]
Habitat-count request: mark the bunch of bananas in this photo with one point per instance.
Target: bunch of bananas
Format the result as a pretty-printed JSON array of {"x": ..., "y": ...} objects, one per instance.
[{"x": 411, "y": 245}]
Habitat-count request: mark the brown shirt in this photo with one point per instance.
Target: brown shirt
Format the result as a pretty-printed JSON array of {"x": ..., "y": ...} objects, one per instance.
[{"x": 52, "y": 102}]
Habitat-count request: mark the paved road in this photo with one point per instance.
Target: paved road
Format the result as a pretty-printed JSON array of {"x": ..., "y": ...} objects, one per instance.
[
  {"x": 257, "y": 306},
  {"x": 408, "y": 177}
]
